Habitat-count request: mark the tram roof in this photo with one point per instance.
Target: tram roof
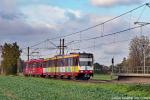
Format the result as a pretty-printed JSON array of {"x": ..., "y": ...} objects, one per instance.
[
  {"x": 68, "y": 56},
  {"x": 71, "y": 55},
  {"x": 35, "y": 60},
  {"x": 63, "y": 56}
]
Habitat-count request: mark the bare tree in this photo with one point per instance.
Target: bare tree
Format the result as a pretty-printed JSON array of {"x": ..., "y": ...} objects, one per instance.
[{"x": 138, "y": 47}]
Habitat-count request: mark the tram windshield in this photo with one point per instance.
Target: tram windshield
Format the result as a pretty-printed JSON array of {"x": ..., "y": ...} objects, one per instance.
[
  {"x": 85, "y": 63},
  {"x": 86, "y": 60}
]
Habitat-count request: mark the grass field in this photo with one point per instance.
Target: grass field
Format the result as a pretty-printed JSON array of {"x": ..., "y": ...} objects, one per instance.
[
  {"x": 102, "y": 77},
  {"x": 28, "y": 88}
]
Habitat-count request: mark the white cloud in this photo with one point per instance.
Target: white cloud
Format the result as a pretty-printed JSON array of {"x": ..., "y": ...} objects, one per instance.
[
  {"x": 108, "y": 3},
  {"x": 49, "y": 15}
]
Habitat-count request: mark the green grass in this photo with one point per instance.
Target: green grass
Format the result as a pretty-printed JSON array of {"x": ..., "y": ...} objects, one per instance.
[
  {"x": 102, "y": 77},
  {"x": 28, "y": 88}
]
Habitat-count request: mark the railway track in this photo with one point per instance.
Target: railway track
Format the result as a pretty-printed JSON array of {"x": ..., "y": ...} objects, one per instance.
[
  {"x": 93, "y": 81},
  {"x": 84, "y": 81},
  {"x": 81, "y": 81}
]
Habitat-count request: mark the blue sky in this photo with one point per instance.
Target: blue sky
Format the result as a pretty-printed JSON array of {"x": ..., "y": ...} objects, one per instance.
[
  {"x": 82, "y": 5},
  {"x": 30, "y": 21}
]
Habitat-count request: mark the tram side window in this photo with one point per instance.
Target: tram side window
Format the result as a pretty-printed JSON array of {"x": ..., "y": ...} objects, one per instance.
[
  {"x": 66, "y": 61},
  {"x": 62, "y": 62},
  {"x": 49, "y": 63},
  {"x": 44, "y": 64},
  {"x": 27, "y": 65},
  {"x": 53, "y": 63},
  {"x": 40, "y": 64},
  {"x": 75, "y": 61},
  {"x": 37, "y": 65},
  {"x": 58, "y": 62},
  {"x": 34, "y": 65},
  {"x": 31, "y": 65},
  {"x": 70, "y": 61}
]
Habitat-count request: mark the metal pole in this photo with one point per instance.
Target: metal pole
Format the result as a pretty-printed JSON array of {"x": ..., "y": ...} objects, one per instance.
[
  {"x": 113, "y": 65},
  {"x": 60, "y": 47},
  {"x": 63, "y": 46},
  {"x": 28, "y": 53},
  {"x": 112, "y": 69},
  {"x": 144, "y": 60}
]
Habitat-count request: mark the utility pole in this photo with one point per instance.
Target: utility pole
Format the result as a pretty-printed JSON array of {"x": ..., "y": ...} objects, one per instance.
[
  {"x": 144, "y": 56},
  {"x": 112, "y": 69},
  {"x": 60, "y": 47},
  {"x": 28, "y": 53},
  {"x": 63, "y": 47},
  {"x": 113, "y": 65}
]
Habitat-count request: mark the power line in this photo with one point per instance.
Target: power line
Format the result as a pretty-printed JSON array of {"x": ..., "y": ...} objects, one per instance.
[
  {"x": 103, "y": 22},
  {"x": 146, "y": 4},
  {"x": 47, "y": 40},
  {"x": 107, "y": 43},
  {"x": 118, "y": 32},
  {"x": 120, "y": 41}
]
